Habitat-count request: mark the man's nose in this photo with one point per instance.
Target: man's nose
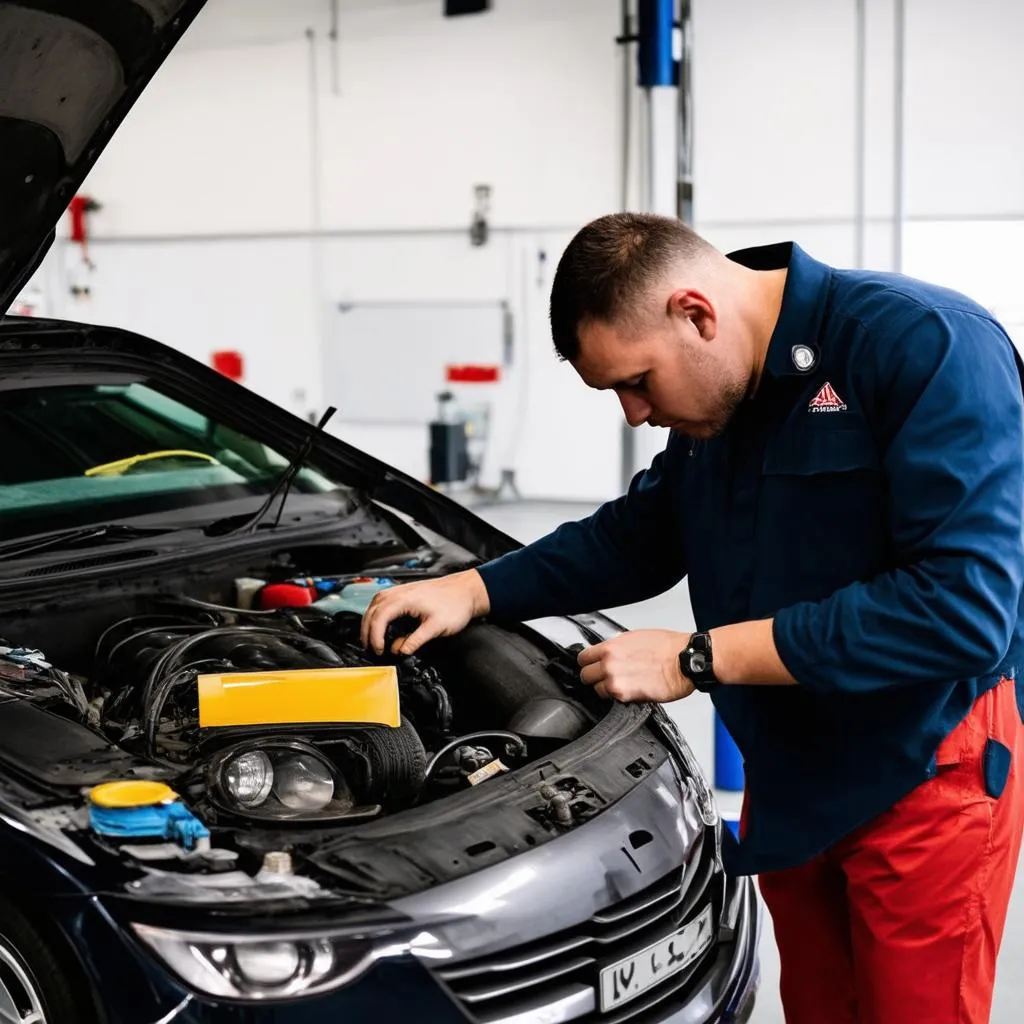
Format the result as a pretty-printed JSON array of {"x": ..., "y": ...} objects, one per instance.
[{"x": 635, "y": 409}]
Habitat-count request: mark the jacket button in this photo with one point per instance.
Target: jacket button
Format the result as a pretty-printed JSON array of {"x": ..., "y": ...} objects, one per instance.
[{"x": 803, "y": 357}]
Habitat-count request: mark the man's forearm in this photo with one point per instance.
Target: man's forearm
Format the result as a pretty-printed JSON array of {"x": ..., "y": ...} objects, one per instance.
[{"x": 745, "y": 653}]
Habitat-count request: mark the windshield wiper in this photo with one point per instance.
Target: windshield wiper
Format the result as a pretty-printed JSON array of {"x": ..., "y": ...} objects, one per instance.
[
  {"x": 69, "y": 538},
  {"x": 252, "y": 522}
]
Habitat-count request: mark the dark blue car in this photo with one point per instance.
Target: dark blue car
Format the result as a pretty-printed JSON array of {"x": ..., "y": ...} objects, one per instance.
[{"x": 215, "y": 804}]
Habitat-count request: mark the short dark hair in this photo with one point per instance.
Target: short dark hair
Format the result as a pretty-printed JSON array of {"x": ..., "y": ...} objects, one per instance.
[{"x": 608, "y": 264}]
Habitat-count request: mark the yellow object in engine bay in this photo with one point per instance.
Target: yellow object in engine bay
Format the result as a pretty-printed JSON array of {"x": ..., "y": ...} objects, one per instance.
[{"x": 341, "y": 696}]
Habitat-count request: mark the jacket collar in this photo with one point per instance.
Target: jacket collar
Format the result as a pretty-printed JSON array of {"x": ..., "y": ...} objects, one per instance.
[{"x": 803, "y": 306}]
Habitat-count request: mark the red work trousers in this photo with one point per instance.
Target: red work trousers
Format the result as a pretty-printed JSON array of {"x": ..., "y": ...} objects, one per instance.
[{"x": 901, "y": 921}]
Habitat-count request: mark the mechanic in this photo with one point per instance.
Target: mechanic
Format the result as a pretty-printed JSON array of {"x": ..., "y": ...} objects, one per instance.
[{"x": 843, "y": 487}]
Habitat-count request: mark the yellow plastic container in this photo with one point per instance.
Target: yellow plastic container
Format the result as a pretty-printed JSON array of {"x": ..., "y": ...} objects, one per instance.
[
  {"x": 351, "y": 696},
  {"x": 131, "y": 793}
]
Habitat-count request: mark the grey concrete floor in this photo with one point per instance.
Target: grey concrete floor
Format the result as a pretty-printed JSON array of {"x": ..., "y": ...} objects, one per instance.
[{"x": 527, "y": 521}]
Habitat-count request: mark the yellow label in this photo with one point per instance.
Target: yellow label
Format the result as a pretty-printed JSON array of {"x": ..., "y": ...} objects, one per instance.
[{"x": 356, "y": 696}]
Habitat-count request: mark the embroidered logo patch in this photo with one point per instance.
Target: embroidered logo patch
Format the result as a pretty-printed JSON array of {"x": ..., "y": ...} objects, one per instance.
[{"x": 827, "y": 400}]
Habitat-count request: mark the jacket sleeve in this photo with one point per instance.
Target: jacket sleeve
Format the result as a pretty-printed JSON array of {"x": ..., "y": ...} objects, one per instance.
[
  {"x": 628, "y": 550},
  {"x": 948, "y": 401}
]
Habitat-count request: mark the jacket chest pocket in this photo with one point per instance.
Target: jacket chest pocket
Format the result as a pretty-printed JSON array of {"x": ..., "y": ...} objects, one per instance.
[
  {"x": 821, "y": 453},
  {"x": 822, "y": 509}
]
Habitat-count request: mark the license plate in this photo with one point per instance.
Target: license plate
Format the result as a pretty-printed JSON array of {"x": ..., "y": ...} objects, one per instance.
[{"x": 635, "y": 974}]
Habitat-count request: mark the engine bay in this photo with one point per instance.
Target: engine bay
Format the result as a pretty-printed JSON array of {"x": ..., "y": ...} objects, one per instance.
[{"x": 319, "y": 736}]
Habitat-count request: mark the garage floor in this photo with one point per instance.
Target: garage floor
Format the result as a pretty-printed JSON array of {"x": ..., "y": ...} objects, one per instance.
[{"x": 528, "y": 520}]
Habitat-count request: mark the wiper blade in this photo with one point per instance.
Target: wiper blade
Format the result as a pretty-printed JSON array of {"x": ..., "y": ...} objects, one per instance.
[
  {"x": 251, "y": 523},
  {"x": 69, "y": 538}
]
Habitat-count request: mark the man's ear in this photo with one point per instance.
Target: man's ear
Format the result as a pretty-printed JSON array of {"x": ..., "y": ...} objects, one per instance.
[{"x": 694, "y": 306}]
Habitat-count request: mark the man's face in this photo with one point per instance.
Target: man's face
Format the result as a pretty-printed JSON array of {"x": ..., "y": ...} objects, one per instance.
[{"x": 665, "y": 373}]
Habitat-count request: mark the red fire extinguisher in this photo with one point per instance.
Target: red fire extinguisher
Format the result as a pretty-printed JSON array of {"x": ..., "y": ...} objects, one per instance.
[{"x": 78, "y": 209}]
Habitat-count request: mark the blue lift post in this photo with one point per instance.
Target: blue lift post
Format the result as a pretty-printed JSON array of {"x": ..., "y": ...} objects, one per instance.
[
  {"x": 658, "y": 74},
  {"x": 656, "y": 20}
]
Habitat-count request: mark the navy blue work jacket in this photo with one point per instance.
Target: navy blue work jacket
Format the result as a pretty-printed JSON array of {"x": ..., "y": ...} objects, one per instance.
[{"x": 869, "y": 498}]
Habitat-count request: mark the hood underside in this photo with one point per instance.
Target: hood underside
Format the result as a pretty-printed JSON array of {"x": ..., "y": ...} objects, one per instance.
[{"x": 69, "y": 73}]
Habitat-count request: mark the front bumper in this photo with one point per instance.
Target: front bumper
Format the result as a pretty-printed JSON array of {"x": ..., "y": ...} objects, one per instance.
[
  {"x": 392, "y": 991},
  {"x": 728, "y": 994},
  {"x": 395, "y": 990},
  {"x": 594, "y": 878}
]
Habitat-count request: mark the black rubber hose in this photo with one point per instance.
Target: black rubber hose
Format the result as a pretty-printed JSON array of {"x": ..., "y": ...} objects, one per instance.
[{"x": 508, "y": 737}]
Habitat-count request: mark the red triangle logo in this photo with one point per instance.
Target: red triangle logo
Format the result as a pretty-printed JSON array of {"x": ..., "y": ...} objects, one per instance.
[{"x": 826, "y": 399}]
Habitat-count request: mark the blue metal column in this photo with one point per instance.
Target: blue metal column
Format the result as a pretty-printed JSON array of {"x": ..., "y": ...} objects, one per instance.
[{"x": 656, "y": 20}]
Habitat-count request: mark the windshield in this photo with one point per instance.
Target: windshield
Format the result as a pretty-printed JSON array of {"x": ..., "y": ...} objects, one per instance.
[{"x": 74, "y": 455}]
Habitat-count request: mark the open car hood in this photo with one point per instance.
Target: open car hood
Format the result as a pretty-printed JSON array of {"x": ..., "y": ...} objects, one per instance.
[
  {"x": 37, "y": 351},
  {"x": 70, "y": 71}
]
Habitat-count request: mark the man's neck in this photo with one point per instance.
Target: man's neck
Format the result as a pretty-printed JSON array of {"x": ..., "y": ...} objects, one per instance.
[{"x": 764, "y": 290}]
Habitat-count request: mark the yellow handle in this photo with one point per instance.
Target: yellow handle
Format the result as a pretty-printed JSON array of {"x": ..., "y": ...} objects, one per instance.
[{"x": 120, "y": 466}]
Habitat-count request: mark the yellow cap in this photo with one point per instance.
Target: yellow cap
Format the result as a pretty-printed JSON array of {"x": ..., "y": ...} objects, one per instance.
[{"x": 131, "y": 793}]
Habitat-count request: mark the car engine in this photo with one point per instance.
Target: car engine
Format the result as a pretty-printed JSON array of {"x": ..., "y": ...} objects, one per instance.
[
  {"x": 150, "y": 667},
  {"x": 466, "y": 710}
]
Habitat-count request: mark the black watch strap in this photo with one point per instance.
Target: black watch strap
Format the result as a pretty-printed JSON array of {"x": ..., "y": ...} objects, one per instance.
[{"x": 696, "y": 662}]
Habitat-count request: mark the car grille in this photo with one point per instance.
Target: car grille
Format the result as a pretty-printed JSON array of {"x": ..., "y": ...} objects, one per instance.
[{"x": 563, "y": 970}]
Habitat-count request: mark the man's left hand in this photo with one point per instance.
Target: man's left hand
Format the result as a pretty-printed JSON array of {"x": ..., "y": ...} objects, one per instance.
[{"x": 642, "y": 665}]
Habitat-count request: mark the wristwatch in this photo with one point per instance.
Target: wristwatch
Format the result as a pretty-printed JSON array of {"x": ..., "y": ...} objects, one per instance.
[{"x": 697, "y": 664}]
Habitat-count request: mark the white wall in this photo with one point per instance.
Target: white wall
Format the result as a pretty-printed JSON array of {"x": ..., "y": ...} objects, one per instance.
[
  {"x": 266, "y": 176},
  {"x": 775, "y": 133},
  {"x": 522, "y": 98},
  {"x": 258, "y": 183}
]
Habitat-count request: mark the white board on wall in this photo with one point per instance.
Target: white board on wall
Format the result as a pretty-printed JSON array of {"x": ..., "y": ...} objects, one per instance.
[{"x": 385, "y": 362}]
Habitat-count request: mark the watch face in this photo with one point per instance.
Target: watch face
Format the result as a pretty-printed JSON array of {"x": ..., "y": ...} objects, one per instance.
[{"x": 698, "y": 662}]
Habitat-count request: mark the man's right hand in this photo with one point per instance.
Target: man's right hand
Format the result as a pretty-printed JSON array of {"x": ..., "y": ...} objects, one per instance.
[{"x": 443, "y": 606}]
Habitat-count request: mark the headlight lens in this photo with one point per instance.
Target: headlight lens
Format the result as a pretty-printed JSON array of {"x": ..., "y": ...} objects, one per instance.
[
  {"x": 277, "y": 967},
  {"x": 284, "y": 780},
  {"x": 304, "y": 783},
  {"x": 249, "y": 778},
  {"x": 234, "y": 967},
  {"x": 268, "y": 963}
]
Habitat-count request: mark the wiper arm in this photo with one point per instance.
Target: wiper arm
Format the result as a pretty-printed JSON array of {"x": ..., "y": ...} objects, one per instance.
[
  {"x": 68, "y": 538},
  {"x": 251, "y": 523}
]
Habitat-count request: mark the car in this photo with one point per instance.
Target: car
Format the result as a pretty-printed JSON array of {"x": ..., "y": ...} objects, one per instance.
[{"x": 215, "y": 803}]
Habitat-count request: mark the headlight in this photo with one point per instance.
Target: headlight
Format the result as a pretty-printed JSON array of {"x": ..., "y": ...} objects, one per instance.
[
  {"x": 271, "y": 969},
  {"x": 283, "y": 780},
  {"x": 276, "y": 967},
  {"x": 249, "y": 778}
]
